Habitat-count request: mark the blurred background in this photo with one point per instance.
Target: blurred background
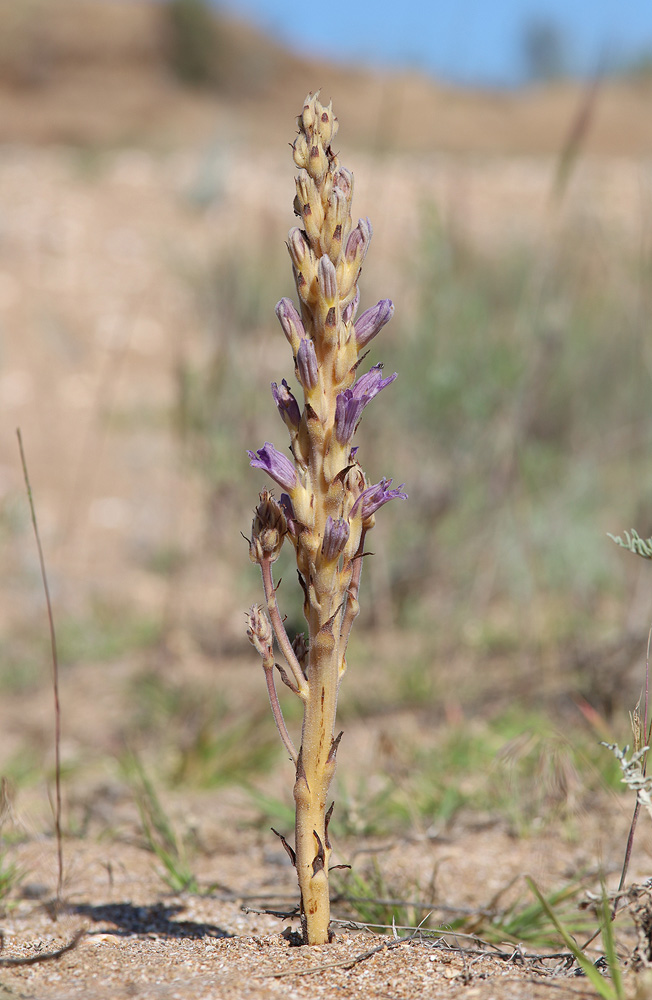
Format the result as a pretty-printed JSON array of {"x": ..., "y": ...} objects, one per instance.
[{"x": 504, "y": 155}]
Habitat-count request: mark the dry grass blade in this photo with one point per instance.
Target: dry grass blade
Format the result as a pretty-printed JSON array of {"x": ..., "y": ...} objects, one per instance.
[{"x": 55, "y": 677}]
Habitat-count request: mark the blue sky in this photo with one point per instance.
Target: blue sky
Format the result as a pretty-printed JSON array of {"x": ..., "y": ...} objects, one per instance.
[{"x": 465, "y": 41}]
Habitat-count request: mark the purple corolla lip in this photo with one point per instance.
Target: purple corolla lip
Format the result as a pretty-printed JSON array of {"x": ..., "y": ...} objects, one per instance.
[
  {"x": 375, "y": 496},
  {"x": 350, "y": 403},
  {"x": 276, "y": 465}
]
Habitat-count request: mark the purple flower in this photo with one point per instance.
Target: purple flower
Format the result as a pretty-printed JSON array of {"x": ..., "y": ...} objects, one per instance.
[
  {"x": 374, "y": 497},
  {"x": 372, "y": 321},
  {"x": 350, "y": 403},
  {"x": 290, "y": 320},
  {"x": 307, "y": 364},
  {"x": 287, "y": 405},
  {"x": 275, "y": 465}
]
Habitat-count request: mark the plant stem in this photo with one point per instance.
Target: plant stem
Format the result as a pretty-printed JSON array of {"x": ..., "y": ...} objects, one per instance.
[{"x": 315, "y": 770}]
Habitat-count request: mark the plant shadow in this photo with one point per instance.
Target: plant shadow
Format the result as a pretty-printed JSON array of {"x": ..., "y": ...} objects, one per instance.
[{"x": 156, "y": 919}]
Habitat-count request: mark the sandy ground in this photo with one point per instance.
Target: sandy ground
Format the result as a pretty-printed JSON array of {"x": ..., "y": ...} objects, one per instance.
[
  {"x": 101, "y": 254},
  {"x": 145, "y": 942}
]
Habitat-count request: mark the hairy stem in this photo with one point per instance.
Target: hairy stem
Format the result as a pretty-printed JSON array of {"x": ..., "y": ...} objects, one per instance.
[{"x": 315, "y": 770}]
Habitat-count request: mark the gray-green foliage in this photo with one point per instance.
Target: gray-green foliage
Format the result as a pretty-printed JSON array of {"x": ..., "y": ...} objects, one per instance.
[
  {"x": 634, "y": 543},
  {"x": 633, "y": 773}
]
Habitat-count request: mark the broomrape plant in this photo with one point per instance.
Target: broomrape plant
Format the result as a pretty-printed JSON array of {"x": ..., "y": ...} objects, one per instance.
[{"x": 327, "y": 506}]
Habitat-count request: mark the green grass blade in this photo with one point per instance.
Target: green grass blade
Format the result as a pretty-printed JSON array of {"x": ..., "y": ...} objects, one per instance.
[
  {"x": 606, "y": 989},
  {"x": 609, "y": 943}
]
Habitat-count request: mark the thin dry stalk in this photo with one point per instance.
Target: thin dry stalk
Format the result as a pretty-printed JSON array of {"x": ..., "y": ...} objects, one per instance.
[{"x": 55, "y": 678}]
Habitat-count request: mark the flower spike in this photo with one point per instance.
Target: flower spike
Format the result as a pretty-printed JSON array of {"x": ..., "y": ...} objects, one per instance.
[{"x": 328, "y": 504}]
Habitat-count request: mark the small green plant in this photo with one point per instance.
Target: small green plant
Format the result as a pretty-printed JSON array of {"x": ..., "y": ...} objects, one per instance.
[
  {"x": 159, "y": 833},
  {"x": 374, "y": 901},
  {"x": 214, "y": 745},
  {"x": 10, "y": 876},
  {"x": 530, "y": 921},
  {"x": 608, "y": 990}
]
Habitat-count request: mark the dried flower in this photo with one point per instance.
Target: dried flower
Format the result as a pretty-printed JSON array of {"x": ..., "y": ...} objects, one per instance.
[{"x": 268, "y": 529}]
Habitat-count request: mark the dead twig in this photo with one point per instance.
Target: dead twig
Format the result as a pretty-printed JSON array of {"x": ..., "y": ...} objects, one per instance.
[{"x": 47, "y": 956}]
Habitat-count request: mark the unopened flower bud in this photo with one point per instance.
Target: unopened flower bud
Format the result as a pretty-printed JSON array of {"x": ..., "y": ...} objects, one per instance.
[
  {"x": 372, "y": 321},
  {"x": 308, "y": 206},
  {"x": 335, "y": 225},
  {"x": 327, "y": 280},
  {"x": 307, "y": 364},
  {"x": 318, "y": 162},
  {"x": 287, "y": 405},
  {"x": 358, "y": 242},
  {"x": 298, "y": 247},
  {"x": 307, "y": 117},
  {"x": 327, "y": 125},
  {"x": 291, "y": 323},
  {"x": 343, "y": 182},
  {"x": 336, "y": 535},
  {"x": 300, "y": 150}
]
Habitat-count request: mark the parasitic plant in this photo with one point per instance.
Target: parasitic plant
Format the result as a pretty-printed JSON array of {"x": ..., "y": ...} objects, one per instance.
[{"x": 327, "y": 506}]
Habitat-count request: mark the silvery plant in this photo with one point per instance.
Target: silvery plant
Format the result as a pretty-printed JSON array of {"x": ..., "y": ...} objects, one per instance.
[{"x": 327, "y": 505}]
